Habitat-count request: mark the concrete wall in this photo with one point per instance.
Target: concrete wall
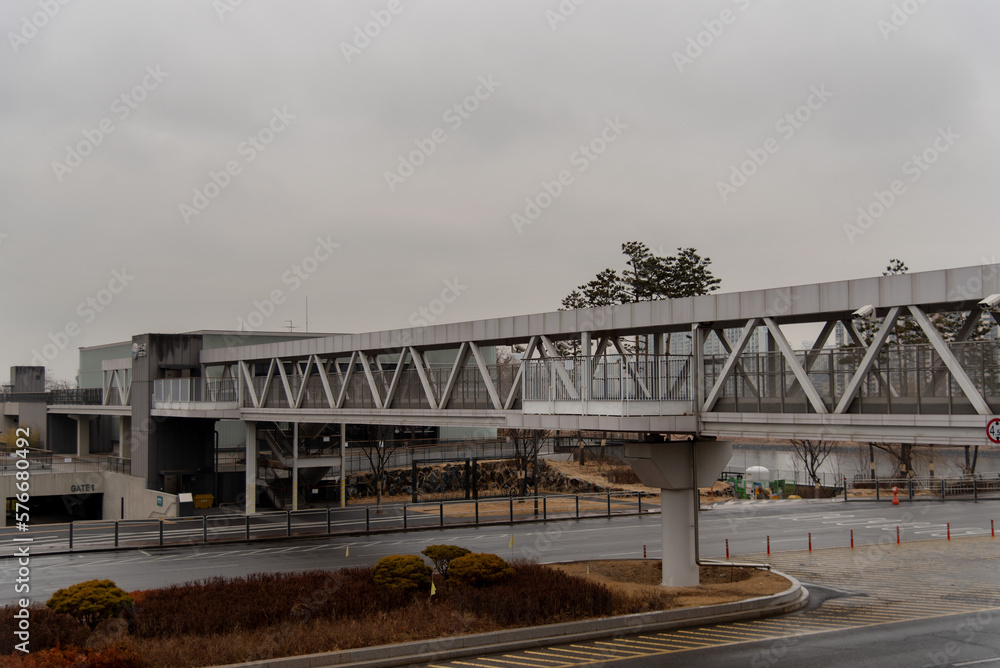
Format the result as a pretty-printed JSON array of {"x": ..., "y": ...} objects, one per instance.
[{"x": 139, "y": 502}]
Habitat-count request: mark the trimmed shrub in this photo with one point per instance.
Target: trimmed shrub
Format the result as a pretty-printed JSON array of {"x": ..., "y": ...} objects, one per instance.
[
  {"x": 480, "y": 569},
  {"x": 90, "y": 602},
  {"x": 443, "y": 555},
  {"x": 402, "y": 571}
]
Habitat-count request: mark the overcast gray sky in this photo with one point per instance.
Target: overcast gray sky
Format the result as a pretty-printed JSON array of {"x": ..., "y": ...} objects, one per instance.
[{"x": 174, "y": 162}]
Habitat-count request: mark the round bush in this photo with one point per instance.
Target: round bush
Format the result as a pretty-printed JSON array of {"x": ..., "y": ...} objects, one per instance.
[
  {"x": 90, "y": 601},
  {"x": 480, "y": 569},
  {"x": 402, "y": 571},
  {"x": 443, "y": 555}
]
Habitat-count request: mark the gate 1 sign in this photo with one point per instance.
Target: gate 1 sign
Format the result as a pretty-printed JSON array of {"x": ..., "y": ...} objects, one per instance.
[{"x": 993, "y": 431}]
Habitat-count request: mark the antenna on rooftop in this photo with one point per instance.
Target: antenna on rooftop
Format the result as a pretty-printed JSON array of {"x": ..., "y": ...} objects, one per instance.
[{"x": 290, "y": 325}]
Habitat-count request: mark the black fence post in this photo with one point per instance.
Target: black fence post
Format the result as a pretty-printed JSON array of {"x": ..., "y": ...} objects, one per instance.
[
  {"x": 609, "y": 504},
  {"x": 468, "y": 480},
  {"x": 910, "y": 488},
  {"x": 441, "y": 510},
  {"x": 845, "y": 489},
  {"x": 71, "y": 535},
  {"x": 577, "y": 506},
  {"x": 640, "y": 503},
  {"x": 248, "y": 526},
  {"x": 943, "y": 489},
  {"x": 545, "y": 508},
  {"x": 204, "y": 528},
  {"x": 975, "y": 491},
  {"x": 413, "y": 480},
  {"x": 511, "y": 499},
  {"x": 329, "y": 526},
  {"x": 116, "y": 533},
  {"x": 404, "y": 515},
  {"x": 368, "y": 528},
  {"x": 288, "y": 524},
  {"x": 477, "y": 512},
  {"x": 161, "y": 532}
]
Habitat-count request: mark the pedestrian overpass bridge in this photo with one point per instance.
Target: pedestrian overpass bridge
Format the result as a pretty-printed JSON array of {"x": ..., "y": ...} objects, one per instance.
[
  {"x": 614, "y": 368},
  {"x": 582, "y": 369}
]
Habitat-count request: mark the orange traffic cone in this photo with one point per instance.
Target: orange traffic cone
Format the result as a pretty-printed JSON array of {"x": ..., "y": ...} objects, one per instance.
[{"x": 895, "y": 498}]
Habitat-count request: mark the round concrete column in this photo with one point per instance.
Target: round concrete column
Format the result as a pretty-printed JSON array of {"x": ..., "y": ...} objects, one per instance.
[{"x": 679, "y": 561}]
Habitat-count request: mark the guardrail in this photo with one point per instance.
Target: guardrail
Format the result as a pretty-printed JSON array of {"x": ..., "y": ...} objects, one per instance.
[
  {"x": 56, "y": 463},
  {"x": 922, "y": 488},
  {"x": 351, "y": 520}
]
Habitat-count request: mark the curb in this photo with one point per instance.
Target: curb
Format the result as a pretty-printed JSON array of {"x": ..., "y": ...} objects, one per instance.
[{"x": 513, "y": 640}]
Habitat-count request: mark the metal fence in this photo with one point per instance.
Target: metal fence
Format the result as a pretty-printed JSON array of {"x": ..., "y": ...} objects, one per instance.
[
  {"x": 608, "y": 378},
  {"x": 923, "y": 488},
  {"x": 351, "y": 520},
  {"x": 217, "y": 390},
  {"x": 48, "y": 462}
]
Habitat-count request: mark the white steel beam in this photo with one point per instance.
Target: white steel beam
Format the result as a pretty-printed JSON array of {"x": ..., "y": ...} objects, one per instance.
[
  {"x": 460, "y": 360},
  {"x": 881, "y": 336},
  {"x": 284, "y": 382},
  {"x": 630, "y": 368},
  {"x": 800, "y": 373},
  {"x": 305, "y": 378},
  {"x": 485, "y": 373},
  {"x": 366, "y": 365},
  {"x": 347, "y": 379},
  {"x": 395, "y": 377},
  {"x": 724, "y": 340},
  {"x": 551, "y": 351},
  {"x": 245, "y": 376},
  {"x": 325, "y": 380},
  {"x": 515, "y": 386},
  {"x": 420, "y": 362},
  {"x": 730, "y": 364},
  {"x": 968, "y": 387}
]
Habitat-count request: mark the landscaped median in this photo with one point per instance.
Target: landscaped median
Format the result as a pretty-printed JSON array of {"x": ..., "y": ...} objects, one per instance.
[
  {"x": 398, "y": 612},
  {"x": 790, "y": 599}
]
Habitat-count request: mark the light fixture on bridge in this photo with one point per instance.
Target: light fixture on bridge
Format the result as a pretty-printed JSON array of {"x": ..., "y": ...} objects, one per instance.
[
  {"x": 991, "y": 303},
  {"x": 866, "y": 312}
]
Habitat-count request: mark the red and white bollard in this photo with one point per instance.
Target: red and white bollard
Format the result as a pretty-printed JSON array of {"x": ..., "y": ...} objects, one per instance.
[
  {"x": 897, "y": 534},
  {"x": 810, "y": 541},
  {"x": 949, "y": 530},
  {"x": 643, "y": 551},
  {"x": 852, "y": 539},
  {"x": 727, "y": 548},
  {"x": 769, "y": 546}
]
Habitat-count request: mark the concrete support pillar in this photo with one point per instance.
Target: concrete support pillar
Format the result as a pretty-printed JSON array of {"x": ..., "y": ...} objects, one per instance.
[
  {"x": 125, "y": 438},
  {"x": 250, "y": 493},
  {"x": 82, "y": 434},
  {"x": 678, "y": 468},
  {"x": 680, "y": 567},
  {"x": 295, "y": 466}
]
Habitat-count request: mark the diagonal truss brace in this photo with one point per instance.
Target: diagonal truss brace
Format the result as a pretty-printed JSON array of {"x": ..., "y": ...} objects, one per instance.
[
  {"x": 954, "y": 366},
  {"x": 724, "y": 340},
  {"x": 485, "y": 373},
  {"x": 855, "y": 335},
  {"x": 347, "y": 379},
  {"x": 630, "y": 368},
  {"x": 420, "y": 363},
  {"x": 550, "y": 351},
  {"x": 868, "y": 361},
  {"x": 515, "y": 385},
  {"x": 793, "y": 363},
  {"x": 816, "y": 350},
  {"x": 372, "y": 385},
  {"x": 730, "y": 364},
  {"x": 461, "y": 359}
]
